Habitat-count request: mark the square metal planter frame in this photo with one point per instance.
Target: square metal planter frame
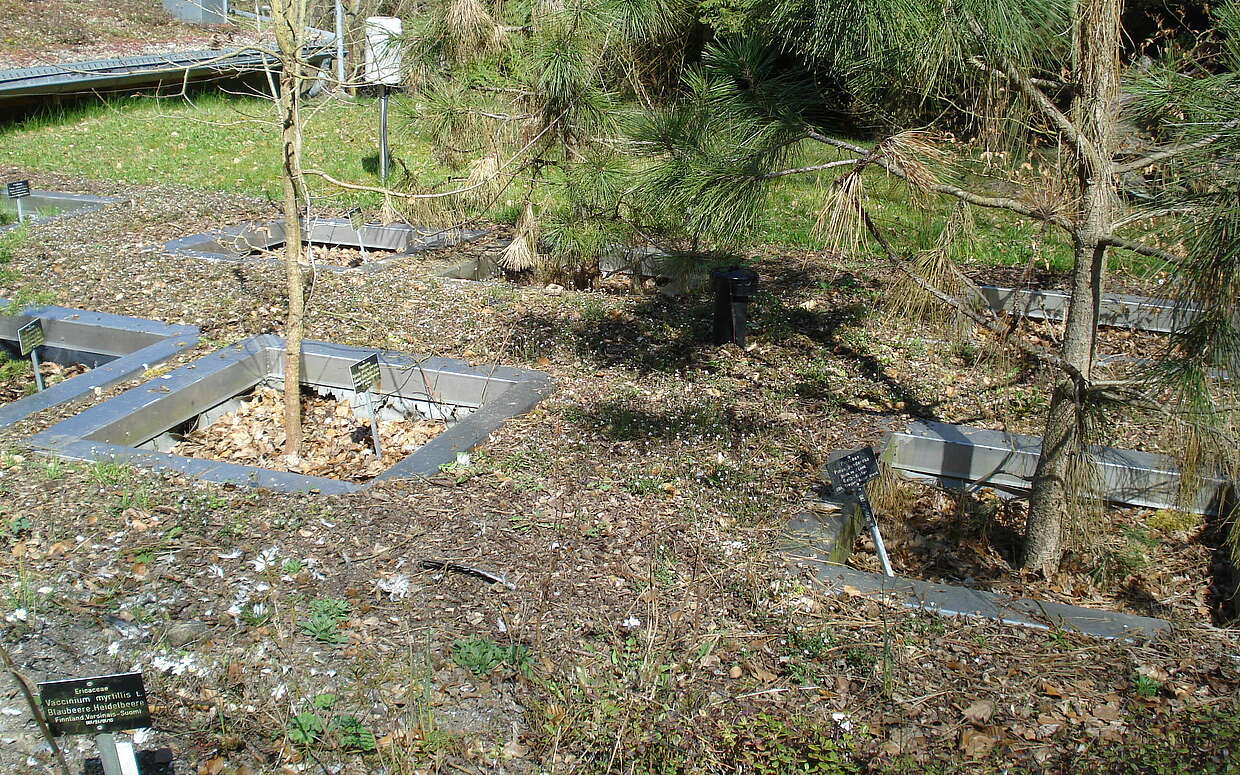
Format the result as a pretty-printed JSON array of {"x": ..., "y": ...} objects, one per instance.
[
  {"x": 958, "y": 455},
  {"x": 127, "y": 428},
  {"x": 819, "y": 539},
  {"x": 69, "y": 205},
  {"x": 236, "y": 243},
  {"x": 1116, "y": 310},
  {"x": 116, "y": 347}
]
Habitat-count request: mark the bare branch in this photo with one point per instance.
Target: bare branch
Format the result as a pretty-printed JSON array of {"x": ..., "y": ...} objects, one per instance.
[
  {"x": 435, "y": 195},
  {"x": 813, "y": 168},
  {"x": 1056, "y": 116},
  {"x": 1123, "y": 243},
  {"x": 980, "y": 64},
  {"x": 847, "y": 146},
  {"x": 1153, "y": 157}
]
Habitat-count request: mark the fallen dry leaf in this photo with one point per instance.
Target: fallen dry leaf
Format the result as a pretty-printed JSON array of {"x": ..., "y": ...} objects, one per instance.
[{"x": 979, "y": 712}]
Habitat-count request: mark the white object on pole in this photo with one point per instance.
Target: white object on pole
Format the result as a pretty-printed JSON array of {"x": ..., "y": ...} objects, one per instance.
[
  {"x": 128, "y": 758},
  {"x": 116, "y": 756},
  {"x": 383, "y": 58},
  {"x": 339, "y": 44}
]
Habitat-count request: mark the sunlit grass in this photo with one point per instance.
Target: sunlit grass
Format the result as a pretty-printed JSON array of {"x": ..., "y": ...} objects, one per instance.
[
  {"x": 219, "y": 142},
  {"x": 214, "y": 142}
]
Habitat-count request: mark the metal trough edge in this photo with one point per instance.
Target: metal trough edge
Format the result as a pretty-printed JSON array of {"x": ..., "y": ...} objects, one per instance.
[
  {"x": 173, "y": 339},
  {"x": 72, "y": 438},
  {"x": 92, "y": 204},
  {"x": 955, "y": 454},
  {"x": 1117, "y": 310},
  {"x": 948, "y": 600}
]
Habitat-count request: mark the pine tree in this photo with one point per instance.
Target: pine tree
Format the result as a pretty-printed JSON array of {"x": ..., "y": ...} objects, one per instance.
[{"x": 1033, "y": 85}]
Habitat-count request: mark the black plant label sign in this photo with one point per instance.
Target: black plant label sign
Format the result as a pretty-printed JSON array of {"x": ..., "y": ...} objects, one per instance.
[
  {"x": 30, "y": 336},
  {"x": 365, "y": 373},
  {"x": 91, "y": 706},
  {"x": 18, "y": 189},
  {"x": 850, "y": 472}
]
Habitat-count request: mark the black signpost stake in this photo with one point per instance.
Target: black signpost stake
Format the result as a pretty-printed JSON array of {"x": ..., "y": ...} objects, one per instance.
[
  {"x": 365, "y": 374},
  {"x": 18, "y": 190},
  {"x": 100, "y": 706},
  {"x": 29, "y": 339},
  {"x": 850, "y": 473}
]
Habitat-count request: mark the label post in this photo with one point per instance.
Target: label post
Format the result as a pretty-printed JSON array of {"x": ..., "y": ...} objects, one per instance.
[
  {"x": 29, "y": 338},
  {"x": 18, "y": 190},
  {"x": 849, "y": 473},
  {"x": 365, "y": 374}
]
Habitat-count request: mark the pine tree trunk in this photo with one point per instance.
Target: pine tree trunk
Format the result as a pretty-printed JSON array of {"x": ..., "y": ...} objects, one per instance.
[
  {"x": 1095, "y": 114},
  {"x": 289, "y": 20}
]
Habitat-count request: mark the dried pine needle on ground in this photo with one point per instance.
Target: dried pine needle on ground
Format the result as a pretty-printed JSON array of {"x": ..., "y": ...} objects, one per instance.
[{"x": 336, "y": 443}]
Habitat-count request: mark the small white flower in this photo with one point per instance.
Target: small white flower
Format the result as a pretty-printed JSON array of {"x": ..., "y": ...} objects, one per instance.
[
  {"x": 397, "y": 585},
  {"x": 266, "y": 559}
]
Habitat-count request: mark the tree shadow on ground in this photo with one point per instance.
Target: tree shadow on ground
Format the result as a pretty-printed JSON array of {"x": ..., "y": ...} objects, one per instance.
[{"x": 621, "y": 419}]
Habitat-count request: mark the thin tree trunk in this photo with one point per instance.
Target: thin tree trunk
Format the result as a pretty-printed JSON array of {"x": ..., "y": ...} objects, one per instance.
[
  {"x": 289, "y": 19},
  {"x": 1097, "y": 33}
]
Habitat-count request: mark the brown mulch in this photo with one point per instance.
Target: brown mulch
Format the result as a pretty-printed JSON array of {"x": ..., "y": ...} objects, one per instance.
[
  {"x": 1139, "y": 561},
  {"x": 336, "y": 444},
  {"x": 20, "y": 386}
]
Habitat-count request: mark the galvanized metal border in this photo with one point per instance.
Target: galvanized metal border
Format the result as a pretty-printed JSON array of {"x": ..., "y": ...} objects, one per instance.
[
  {"x": 949, "y": 600},
  {"x": 957, "y": 455},
  {"x": 88, "y": 203},
  {"x": 190, "y": 246},
  {"x": 116, "y": 364},
  {"x": 145, "y": 70},
  {"x": 1116, "y": 310},
  {"x": 262, "y": 355}
]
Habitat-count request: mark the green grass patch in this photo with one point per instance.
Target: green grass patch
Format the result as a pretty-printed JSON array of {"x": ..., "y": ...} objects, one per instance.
[
  {"x": 219, "y": 142},
  {"x": 214, "y": 142}
]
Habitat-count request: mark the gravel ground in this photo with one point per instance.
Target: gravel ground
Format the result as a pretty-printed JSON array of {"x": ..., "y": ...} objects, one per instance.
[{"x": 632, "y": 515}]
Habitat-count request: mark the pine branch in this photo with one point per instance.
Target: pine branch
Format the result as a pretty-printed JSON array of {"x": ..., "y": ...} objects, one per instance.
[
  {"x": 980, "y": 64},
  {"x": 1161, "y": 154},
  {"x": 993, "y": 202},
  {"x": 1123, "y": 243},
  {"x": 990, "y": 324}
]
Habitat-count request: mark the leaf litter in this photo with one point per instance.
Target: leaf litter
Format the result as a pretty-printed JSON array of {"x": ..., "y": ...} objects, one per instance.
[{"x": 335, "y": 442}]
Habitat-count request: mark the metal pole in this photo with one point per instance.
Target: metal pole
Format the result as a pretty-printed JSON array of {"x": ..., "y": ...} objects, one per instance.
[
  {"x": 879, "y": 547},
  {"x": 116, "y": 759},
  {"x": 740, "y": 321},
  {"x": 21, "y": 214},
  {"x": 38, "y": 373},
  {"x": 361, "y": 243},
  {"x": 129, "y": 759},
  {"x": 383, "y": 135},
  {"x": 340, "y": 44},
  {"x": 374, "y": 426}
]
